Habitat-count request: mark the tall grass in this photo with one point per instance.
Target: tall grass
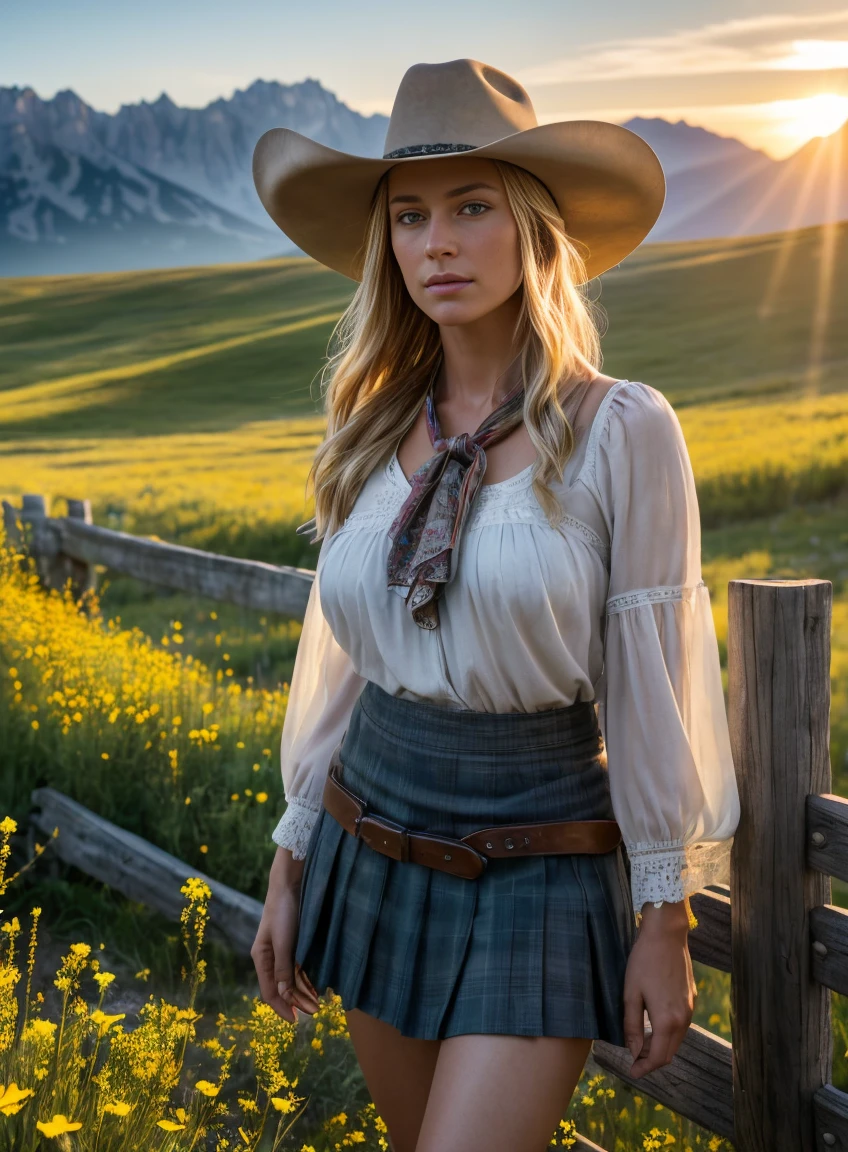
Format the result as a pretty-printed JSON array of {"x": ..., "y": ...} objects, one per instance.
[{"x": 126, "y": 727}]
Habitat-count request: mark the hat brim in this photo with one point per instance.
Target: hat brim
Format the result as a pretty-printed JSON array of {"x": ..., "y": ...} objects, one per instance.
[{"x": 607, "y": 182}]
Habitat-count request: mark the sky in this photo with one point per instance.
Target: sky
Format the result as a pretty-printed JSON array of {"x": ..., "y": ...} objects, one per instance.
[{"x": 759, "y": 70}]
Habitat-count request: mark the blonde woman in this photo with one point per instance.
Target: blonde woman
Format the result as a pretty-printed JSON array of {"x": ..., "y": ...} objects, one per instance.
[{"x": 505, "y": 756}]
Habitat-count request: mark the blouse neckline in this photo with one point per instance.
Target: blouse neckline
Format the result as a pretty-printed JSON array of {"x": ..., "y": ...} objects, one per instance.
[{"x": 396, "y": 475}]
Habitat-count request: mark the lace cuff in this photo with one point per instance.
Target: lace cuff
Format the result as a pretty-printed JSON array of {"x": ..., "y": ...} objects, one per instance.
[
  {"x": 295, "y": 827},
  {"x": 670, "y": 870}
]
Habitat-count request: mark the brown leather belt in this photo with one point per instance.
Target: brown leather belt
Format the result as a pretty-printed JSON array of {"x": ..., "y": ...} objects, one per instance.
[{"x": 469, "y": 856}]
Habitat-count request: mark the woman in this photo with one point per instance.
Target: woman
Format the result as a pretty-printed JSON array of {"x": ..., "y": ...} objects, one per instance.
[{"x": 442, "y": 714}]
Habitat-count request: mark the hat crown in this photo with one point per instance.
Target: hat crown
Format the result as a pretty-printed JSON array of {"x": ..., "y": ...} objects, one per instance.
[{"x": 453, "y": 106}]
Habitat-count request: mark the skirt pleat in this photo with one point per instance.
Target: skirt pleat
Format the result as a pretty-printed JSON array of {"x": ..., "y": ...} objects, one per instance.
[{"x": 535, "y": 946}]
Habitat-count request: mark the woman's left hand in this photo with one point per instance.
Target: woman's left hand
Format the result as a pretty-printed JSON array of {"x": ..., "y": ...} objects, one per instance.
[{"x": 659, "y": 977}]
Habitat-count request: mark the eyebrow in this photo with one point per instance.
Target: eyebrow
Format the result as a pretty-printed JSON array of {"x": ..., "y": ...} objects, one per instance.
[{"x": 453, "y": 192}]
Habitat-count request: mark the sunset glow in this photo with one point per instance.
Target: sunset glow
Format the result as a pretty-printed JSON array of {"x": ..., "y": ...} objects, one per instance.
[
  {"x": 817, "y": 115},
  {"x": 815, "y": 55},
  {"x": 801, "y": 120}
]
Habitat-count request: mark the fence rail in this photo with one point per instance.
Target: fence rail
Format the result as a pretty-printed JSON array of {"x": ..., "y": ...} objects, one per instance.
[
  {"x": 773, "y": 928},
  {"x": 71, "y": 546}
]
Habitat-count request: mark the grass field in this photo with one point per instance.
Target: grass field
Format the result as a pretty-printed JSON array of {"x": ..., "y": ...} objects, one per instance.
[{"x": 186, "y": 404}]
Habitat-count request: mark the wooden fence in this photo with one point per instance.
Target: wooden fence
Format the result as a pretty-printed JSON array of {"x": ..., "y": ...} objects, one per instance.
[{"x": 774, "y": 929}]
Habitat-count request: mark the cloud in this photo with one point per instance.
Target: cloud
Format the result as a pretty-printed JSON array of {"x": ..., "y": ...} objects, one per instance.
[{"x": 754, "y": 44}]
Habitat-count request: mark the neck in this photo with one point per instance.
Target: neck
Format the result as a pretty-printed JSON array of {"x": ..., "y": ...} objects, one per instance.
[{"x": 481, "y": 362}]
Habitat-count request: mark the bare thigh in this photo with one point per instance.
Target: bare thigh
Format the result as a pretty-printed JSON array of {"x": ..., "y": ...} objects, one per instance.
[
  {"x": 398, "y": 1071},
  {"x": 500, "y": 1093}
]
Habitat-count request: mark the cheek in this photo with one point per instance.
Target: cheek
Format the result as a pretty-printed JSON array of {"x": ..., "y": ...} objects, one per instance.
[
  {"x": 405, "y": 248},
  {"x": 497, "y": 254}
]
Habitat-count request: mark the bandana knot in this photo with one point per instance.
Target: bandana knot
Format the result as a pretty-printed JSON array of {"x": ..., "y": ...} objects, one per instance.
[{"x": 427, "y": 530}]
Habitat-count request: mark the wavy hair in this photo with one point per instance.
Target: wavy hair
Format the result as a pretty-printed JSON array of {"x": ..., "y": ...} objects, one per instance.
[{"x": 386, "y": 349}]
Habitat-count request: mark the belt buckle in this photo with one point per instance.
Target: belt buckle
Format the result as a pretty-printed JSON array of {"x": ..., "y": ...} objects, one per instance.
[{"x": 398, "y": 850}]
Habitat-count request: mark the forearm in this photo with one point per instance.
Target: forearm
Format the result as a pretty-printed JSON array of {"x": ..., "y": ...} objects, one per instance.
[{"x": 286, "y": 872}]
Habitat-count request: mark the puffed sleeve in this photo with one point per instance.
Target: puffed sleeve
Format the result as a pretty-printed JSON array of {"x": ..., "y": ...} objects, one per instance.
[
  {"x": 671, "y": 774},
  {"x": 323, "y": 690}
]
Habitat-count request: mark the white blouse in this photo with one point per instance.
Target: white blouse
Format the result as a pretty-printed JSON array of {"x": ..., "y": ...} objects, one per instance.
[{"x": 609, "y": 606}]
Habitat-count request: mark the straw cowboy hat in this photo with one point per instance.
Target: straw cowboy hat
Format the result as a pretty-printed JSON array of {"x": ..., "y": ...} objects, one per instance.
[{"x": 607, "y": 182}]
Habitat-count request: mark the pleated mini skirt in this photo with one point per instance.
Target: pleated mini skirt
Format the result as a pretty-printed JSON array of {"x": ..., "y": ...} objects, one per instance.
[{"x": 534, "y": 946}]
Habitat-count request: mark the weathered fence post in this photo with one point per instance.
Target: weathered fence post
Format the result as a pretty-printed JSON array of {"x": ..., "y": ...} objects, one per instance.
[
  {"x": 779, "y": 713},
  {"x": 37, "y": 539},
  {"x": 33, "y": 516},
  {"x": 83, "y": 575}
]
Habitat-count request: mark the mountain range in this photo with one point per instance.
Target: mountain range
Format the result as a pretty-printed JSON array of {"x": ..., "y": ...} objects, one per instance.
[{"x": 155, "y": 185}]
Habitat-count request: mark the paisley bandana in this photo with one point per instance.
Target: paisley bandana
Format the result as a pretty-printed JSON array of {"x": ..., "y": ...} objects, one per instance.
[{"x": 428, "y": 527}]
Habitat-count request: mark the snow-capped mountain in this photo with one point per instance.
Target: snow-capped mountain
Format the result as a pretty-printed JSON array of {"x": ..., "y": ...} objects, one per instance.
[
  {"x": 67, "y": 211},
  {"x": 156, "y": 184},
  {"x": 153, "y": 184}
]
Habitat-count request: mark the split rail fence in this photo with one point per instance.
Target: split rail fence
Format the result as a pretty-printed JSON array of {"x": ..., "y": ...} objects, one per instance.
[{"x": 773, "y": 929}]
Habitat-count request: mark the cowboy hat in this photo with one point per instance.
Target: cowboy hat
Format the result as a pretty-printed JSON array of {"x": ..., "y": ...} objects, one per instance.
[{"x": 607, "y": 182}]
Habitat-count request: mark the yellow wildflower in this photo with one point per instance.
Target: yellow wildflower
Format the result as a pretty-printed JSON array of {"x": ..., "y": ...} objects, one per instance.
[
  {"x": 207, "y": 1088},
  {"x": 58, "y": 1126},
  {"x": 13, "y": 1098},
  {"x": 119, "y": 1108}
]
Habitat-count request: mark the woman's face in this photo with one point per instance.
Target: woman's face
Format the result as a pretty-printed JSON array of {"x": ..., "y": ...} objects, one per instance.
[{"x": 451, "y": 216}]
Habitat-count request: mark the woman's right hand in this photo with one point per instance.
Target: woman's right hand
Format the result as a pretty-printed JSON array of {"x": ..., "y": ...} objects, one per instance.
[{"x": 282, "y": 984}]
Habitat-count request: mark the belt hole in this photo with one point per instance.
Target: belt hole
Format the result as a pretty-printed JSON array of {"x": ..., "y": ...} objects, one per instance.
[{"x": 448, "y": 857}]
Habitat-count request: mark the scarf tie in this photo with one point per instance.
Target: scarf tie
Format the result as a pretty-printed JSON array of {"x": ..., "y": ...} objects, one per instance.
[{"x": 427, "y": 529}]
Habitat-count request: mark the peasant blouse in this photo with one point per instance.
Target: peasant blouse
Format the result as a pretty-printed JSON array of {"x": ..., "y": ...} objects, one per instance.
[{"x": 608, "y": 606}]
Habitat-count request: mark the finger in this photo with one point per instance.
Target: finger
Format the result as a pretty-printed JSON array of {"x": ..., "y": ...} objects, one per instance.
[
  {"x": 665, "y": 1040},
  {"x": 305, "y": 990},
  {"x": 641, "y": 1064},
  {"x": 298, "y": 971},
  {"x": 678, "y": 1036},
  {"x": 262, "y": 955},
  {"x": 289, "y": 990},
  {"x": 294, "y": 999},
  {"x": 634, "y": 1022},
  {"x": 297, "y": 993}
]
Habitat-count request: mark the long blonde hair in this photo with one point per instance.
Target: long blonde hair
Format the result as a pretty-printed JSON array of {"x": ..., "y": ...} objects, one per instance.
[{"x": 387, "y": 349}]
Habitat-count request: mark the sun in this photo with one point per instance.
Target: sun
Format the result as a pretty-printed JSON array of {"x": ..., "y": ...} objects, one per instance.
[
  {"x": 815, "y": 115},
  {"x": 796, "y": 122}
]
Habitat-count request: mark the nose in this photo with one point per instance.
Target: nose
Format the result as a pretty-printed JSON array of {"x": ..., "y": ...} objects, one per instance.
[{"x": 440, "y": 240}]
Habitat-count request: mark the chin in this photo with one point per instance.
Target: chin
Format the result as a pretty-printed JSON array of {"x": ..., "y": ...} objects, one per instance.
[{"x": 449, "y": 312}]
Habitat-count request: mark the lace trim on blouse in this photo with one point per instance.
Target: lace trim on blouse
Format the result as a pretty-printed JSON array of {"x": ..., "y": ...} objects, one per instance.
[
  {"x": 295, "y": 826},
  {"x": 511, "y": 501},
  {"x": 670, "y": 870},
  {"x": 625, "y": 600}
]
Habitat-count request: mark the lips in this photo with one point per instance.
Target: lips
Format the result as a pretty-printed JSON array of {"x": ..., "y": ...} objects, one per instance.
[
  {"x": 444, "y": 278},
  {"x": 441, "y": 286}
]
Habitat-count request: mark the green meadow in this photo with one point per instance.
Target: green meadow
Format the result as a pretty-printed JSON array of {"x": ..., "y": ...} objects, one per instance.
[{"x": 186, "y": 404}]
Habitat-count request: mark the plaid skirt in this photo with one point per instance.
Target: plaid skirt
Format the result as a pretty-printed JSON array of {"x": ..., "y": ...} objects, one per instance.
[{"x": 534, "y": 946}]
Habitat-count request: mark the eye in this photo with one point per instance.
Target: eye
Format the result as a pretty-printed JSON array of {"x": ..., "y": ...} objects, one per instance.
[
  {"x": 408, "y": 212},
  {"x": 476, "y": 204}
]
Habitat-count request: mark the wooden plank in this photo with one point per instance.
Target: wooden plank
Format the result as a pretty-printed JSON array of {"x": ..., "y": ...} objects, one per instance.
[
  {"x": 698, "y": 1083},
  {"x": 827, "y": 834},
  {"x": 139, "y": 870},
  {"x": 151, "y": 876},
  {"x": 709, "y": 943},
  {"x": 779, "y": 694},
  {"x": 830, "y": 1109},
  {"x": 251, "y": 583},
  {"x": 829, "y": 947}
]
